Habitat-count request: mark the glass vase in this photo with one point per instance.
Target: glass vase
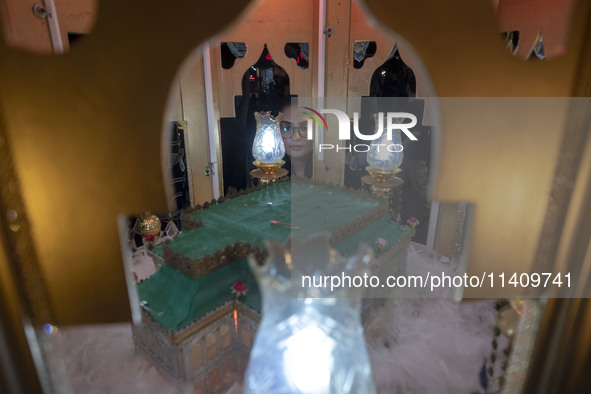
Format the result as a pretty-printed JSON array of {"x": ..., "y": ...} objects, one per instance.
[
  {"x": 307, "y": 342},
  {"x": 268, "y": 146},
  {"x": 385, "y": 154}
]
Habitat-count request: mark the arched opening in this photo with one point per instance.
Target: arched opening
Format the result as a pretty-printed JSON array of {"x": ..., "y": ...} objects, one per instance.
[{"x": 230, "y": 51}]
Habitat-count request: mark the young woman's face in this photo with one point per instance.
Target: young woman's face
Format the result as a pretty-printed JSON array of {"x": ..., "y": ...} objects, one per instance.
[{"x": 294, "y": 132}]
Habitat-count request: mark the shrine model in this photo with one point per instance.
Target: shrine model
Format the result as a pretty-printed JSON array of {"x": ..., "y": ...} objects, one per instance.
[{"x": 201, "y": 308}]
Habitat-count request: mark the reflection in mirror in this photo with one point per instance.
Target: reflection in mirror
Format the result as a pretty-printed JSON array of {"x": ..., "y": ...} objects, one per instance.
[
  {"x": 395, "y": 79},
  {"x": 538, "y": 50},
  {"x": 511, "y": 40},
  {"x": 75, "y": 39},
  {"x": 300, "y": 52},
  {"x": 363, "y": 50},
  {"x": 49, "y": 27},
  {"x": 177, "y": 167},
  {"x": 230, "y": 51},
  {"x": 522, "y": 24},
  {"x": 265, "y": 85}
]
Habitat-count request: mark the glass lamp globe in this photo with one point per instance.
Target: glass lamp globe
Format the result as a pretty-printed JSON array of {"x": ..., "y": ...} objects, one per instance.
[
  {"x": 310, "y": 339},
  {"x": 268, "y": 146},
  {"x": 385, "y": 154}
]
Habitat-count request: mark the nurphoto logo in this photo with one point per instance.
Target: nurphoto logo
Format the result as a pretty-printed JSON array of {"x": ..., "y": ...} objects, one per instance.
[{"x": 393, "y": 121}]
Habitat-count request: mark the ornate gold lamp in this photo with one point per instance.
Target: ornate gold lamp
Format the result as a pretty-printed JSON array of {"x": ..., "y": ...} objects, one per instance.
[
  {"x": 384, "y": 158},
  {"x": 268, "y": 148}
]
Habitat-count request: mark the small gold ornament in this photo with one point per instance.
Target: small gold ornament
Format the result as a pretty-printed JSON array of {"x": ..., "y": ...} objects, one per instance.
[{"x": 148, "y": 225}]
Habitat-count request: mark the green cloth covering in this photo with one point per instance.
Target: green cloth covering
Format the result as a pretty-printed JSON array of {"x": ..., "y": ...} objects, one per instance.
[
  {"x": 313, "y": 208},
  {"x": 183, "y": 300}
]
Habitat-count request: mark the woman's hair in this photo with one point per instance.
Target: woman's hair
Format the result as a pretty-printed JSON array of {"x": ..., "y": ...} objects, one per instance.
[{"x": 284, "y": 102}]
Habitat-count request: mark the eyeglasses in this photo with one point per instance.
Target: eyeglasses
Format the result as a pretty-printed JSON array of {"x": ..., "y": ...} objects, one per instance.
[{"x": 287, "y": 129}]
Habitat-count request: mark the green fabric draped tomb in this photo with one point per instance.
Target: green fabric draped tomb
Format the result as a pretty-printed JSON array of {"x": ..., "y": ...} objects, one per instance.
[{"x": 311, "y": 208}]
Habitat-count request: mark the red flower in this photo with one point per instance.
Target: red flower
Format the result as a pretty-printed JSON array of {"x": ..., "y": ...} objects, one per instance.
[
  {"x": 149, "y": 238},
  {"x": 239, "y": 287}
]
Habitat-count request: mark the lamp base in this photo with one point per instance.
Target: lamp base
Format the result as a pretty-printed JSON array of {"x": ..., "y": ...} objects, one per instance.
[
  {"x": 268, "y": 172},
  {"x": 382, "y": 176}
]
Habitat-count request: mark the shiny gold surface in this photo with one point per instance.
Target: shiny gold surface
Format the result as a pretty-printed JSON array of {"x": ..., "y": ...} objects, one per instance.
[
  {"x": 148, "y": 224},
  {"x": 380, "y": 177},
  {"x": 84, "y": 128},
  {"x": 385, "y": 184},
  {"x": 268, "y": 172}
]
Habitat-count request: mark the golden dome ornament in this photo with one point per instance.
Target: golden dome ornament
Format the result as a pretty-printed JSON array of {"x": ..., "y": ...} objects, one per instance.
[{"x": 148, "y": 226}]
